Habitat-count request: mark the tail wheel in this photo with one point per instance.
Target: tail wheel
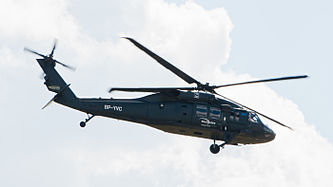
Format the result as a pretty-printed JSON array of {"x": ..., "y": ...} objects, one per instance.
[{"x": 82, "y": 124}]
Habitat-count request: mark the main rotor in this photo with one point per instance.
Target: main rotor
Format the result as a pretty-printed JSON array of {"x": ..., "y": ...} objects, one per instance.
[{"x": 199, "y": 86}]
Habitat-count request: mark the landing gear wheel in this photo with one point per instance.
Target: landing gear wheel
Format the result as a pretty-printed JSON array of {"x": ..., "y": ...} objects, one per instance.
[
  {"x": 214, "y": 148},
  {"x": 82, "y": 124}
]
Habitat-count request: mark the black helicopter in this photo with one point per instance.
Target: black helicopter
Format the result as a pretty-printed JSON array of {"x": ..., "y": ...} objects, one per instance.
[{"x": 192, "y": 111}]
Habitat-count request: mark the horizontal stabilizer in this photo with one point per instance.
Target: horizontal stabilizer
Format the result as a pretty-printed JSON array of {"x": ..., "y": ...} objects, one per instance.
[{"x": 57, "y": 95}]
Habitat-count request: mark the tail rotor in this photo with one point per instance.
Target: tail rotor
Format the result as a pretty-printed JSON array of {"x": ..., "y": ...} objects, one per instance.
[{"x": 50, "y": 56}]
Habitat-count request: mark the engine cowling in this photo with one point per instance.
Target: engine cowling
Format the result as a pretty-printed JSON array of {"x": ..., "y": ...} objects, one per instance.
[{"x": 196, "y": 96}]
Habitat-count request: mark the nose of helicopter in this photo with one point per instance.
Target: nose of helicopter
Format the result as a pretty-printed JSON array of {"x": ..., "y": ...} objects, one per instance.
[{"x": 268, "y": 134}]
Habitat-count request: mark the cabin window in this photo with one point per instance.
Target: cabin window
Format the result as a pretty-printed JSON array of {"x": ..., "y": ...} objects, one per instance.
[
  {"x": 201, "y": 111},
  {"x": 237, "y": 116},
  {"x": 232, "y": 117},
  {"x": 215, "y": 113}
]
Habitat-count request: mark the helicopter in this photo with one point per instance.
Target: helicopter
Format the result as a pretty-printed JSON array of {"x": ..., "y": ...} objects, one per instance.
[{"x": 197, "y": 111}]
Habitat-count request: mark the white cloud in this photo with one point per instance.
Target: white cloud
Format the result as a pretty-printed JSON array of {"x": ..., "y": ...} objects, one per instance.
[
  {"x": 36, "y": 19},
  {"x": 193, "y": 38},
  {"x": 8, "y": 58},
  {"x": 188, "y": 26}
]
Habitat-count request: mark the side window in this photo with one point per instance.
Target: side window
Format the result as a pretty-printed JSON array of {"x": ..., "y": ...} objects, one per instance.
[
  {"x": 234, "y": 116},
  {"x": 201, "y": 111},
  {"x": 215, "y": 113},
  {"x": 237, "y": 116}
]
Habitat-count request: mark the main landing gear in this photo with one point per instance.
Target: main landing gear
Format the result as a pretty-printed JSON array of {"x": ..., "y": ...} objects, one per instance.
[
  {"x": 227, "y": 138},
  {"x": 83, "y": 123},
  {"x": 215, "y": 148}
]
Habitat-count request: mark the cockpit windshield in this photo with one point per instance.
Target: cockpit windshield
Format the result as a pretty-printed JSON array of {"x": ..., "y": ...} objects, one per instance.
[{"x": 253, "y": 117}]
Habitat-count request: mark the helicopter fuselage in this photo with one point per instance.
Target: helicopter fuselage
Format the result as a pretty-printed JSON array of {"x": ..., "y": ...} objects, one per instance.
[{"x": 187, "y": 113}]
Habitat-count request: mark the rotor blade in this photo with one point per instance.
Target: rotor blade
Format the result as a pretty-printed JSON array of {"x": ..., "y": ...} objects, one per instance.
[
  {"x": 65, "y": 65},
  {"x": 263, "y": 80},
  {"x": 263, "y": 115},
  {"x": 54, "y": 47},
  {"x": 171, "y": 89},
  {"x": 48, "y": 103},
  {"x": 31, "y": 51},
  {"x": 165, "y": 63}
]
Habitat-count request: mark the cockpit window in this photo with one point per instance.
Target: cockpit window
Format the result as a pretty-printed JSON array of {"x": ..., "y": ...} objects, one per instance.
[{"x": 253, "y": 117}]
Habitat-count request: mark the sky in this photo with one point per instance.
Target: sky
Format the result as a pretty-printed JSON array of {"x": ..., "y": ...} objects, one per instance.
[{"x": 216, "y": 41}]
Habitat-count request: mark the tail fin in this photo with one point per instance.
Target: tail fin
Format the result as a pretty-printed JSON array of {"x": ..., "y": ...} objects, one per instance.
[{"x": 55, "y": 83}]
